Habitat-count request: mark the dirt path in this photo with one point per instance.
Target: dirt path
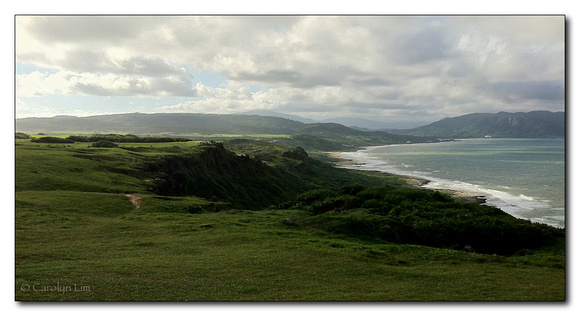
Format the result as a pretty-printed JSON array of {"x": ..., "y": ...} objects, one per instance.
[{"x": 135, "y": 200}]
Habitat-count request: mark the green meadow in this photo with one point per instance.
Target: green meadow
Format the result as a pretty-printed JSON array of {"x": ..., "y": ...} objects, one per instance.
[{"x": 255, "y": 221}]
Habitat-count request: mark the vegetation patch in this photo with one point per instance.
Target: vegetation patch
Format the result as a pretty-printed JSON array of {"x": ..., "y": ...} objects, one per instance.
[
  {"x": 248, "y": 220},
  {"x": 19, "y": 135},
  {"x": 423, "y": 217},
  {"x": 127, "y": 138},
  {"x": 51, "y": 140},
  {"x": 104, "y": 144}
]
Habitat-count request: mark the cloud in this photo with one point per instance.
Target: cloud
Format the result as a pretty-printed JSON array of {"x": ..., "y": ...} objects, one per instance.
[
  {"x": 534, "y": 90},
  {"x": 37, "y": 84},
  {"x": 423, "y": 46},
  {"x": 354, "y": 65}
]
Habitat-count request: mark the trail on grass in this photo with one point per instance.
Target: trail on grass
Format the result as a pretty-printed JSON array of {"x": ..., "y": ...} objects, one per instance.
[{"x": 135, "y": 200}]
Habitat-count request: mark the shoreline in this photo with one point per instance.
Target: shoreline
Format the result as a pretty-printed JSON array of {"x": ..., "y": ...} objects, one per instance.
[
  {"x": 416, "y": 182},
  {"x": 512, "y": 202}
]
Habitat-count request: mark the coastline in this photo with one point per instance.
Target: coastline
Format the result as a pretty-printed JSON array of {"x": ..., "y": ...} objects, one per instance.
[{"x": 416, "y": 182}]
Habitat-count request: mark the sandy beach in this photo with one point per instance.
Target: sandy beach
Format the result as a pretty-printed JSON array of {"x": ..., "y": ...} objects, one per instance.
[{"x": 414, "y": 181}]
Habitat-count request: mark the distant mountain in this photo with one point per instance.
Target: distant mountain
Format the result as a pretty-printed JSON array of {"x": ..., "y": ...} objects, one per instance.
[
  {"x": 357, "y": 123},
  {"x": 346, "y": 135},
  {"x": 160, "y": 123},
  {"x": 352, "y": 122},
  {"x": 373, "y": 125},
  {"x": 319, "y": 136},
  {"x": 535, "y": 124},
  {"x": 277, "y": 114}
]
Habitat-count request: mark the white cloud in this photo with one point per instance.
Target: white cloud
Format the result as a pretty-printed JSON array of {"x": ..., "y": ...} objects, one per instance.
[
  {"x": 347, "y": 64},
  {"x": 107, "y": 84}
]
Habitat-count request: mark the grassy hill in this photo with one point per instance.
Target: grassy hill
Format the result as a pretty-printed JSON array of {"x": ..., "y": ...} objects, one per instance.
[
  {"x": 314, "y": 136},
  {"x": 248, "y": 220},
  {"x": 513, "y": 125},
  {"x": 160, "y": 123}
]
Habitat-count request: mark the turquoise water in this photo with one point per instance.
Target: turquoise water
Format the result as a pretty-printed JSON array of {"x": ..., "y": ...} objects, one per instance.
[{"x": 524, "y": 177}]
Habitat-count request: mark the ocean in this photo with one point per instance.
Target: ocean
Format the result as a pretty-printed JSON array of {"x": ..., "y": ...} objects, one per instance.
[{"x": 526, "y": 178}]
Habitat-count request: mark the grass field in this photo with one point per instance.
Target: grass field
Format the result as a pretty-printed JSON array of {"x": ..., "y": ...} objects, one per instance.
[{"x": 88, "y": 228}]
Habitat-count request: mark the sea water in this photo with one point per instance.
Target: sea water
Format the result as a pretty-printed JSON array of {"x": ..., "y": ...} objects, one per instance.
[{"x": 526, "y": 178}]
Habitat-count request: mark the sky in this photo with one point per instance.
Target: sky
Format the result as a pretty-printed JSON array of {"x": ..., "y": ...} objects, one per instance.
[
  {"x": 412, "y": 68},
  {"x": 408, "y": 69}
]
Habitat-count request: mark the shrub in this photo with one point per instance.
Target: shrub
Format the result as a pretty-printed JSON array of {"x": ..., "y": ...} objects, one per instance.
[
  {"x": 82, "y": 139},
  {"x": 22, "y": 136},
  {"x": 424, "y": 217},
  {"x": 351, "y": 189},
  {"x": 314, "y": 195},
  {"x": 52, "y": 140},
  {"x": 104, "y": 144},
  {"x": 338, "y": 203}
]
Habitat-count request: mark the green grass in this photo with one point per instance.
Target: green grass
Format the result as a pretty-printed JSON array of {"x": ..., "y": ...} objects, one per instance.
[
  {"x": 251, "y": 256},
  {"x": 79, "y": 238}
]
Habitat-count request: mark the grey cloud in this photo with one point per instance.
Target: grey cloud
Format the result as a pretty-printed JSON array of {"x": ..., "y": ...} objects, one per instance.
[
  {"x": 83, "y": 60},
  {"x": 299, "y": 79},
  {"x": 314, "y": 75},
  {"x": 423, "y": 46},
  {"x": 152, "y": 76},
  {"x": 529, "y": 90},
  {"x": 180, "y": 86},
  {"x": 137, "y": 86},
  {"x": 373, "y": 82},
  {"x": 379, "y": 62},
  {"x": 147, "y": 66},
  {"x": 93, "y": 89},
  {"x": 305, "y": 108},
  {"x": 87, "y": 61},
  {"x": 287, "y": 76},
  {"x": 80, "y": 29}
]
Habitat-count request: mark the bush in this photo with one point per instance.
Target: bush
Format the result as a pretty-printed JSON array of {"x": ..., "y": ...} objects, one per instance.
[
  {"x": 338, "y": 203},
  {"x": 351, "y": 189},
  {"x": 52, "y": 140},
  {"x": 310, "y": 197},
  {"x": 81, "y": 139},
  {"x": 104, "y": 144},
  {"x": 22, "y": 136},
  {"x": 128, "y": 138},
  {"x": 424, "y": 217}
]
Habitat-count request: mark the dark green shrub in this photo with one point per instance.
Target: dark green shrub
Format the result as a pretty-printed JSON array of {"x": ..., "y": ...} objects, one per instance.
[
  {"x": 51, "y": 140},
  {"x": 351, "y": 189},
  {"x": 374, "y": 203},
  {"x": 371, "y": 194},
  {"x": 80, "y": 139},
  {"x": 393, "y": 230},
  {"x": 20, "y": 135},
  {"x": 338, "y": 203},
  {"x": 354, "y": 226},
  {"x": 104, "y": 144},
  {"x": 440, "y": 197},
  {"x": 309, "y": 197},
  {"x": 425, "y": 217}
]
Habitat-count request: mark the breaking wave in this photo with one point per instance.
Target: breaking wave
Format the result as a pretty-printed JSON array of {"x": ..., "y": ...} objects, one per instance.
[{"x": 517, "y": 205}]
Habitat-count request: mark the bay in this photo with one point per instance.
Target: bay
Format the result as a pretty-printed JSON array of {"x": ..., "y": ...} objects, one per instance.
[{"x": 526, "y": 178}]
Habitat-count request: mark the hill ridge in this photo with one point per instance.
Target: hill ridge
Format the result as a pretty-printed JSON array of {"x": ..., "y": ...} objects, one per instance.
[{"x": 534, "y": 124}]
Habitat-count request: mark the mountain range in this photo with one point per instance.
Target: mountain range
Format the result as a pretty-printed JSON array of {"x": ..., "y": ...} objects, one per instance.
[
  {"x": 327, "y": 136},
  {"x": 320, "y": 136},
  {"x": 536, "y": 124},
  {"x": 353, "y": 122}
]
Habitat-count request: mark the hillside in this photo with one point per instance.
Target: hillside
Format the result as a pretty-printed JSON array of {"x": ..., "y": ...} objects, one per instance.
[
  {"x": 169, "y": 123},
  {"x": 346, "y": 135},
  {"x": 535, "y": 124},
  {"x": 246, "y": 220},
  {"x": 278, "y": 114},
  {"x": 314, "y": 136}
]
